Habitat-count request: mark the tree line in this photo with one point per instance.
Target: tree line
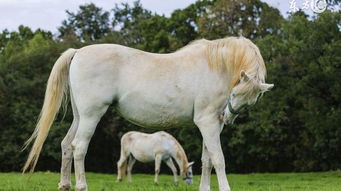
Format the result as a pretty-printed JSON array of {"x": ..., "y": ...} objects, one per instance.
[{"x": 295, "y": 127}]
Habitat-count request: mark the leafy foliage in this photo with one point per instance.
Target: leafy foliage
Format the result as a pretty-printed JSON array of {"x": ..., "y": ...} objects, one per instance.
[
  {"x": 249, "y": 18},
  {"x": 90, "y": 23}
]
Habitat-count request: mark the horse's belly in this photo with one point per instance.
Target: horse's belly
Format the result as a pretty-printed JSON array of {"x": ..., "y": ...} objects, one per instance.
[
  {"x": 145, "y": 149},
  {"x": 151, "y": 114},
  {"x": 143, "y": 156}
]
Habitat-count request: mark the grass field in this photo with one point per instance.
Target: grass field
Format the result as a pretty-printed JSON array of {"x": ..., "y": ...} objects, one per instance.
[{"x": 41, "y": 181}]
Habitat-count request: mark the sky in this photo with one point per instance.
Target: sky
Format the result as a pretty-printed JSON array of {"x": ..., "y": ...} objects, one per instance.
[{"x": 48, "y": 14}]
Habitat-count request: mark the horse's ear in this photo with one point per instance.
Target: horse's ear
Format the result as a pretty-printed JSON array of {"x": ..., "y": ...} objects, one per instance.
[
  {"x": 266, "y": 87},
  {"x": 190, "y": 164},
  {"x": 243, "y": 76}
]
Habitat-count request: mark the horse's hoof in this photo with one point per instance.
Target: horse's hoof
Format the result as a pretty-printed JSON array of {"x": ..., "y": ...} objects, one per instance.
[
  {"x": 81, "y": 187},
  {"x": 64, "y": 186},
  {"x": 119, "y": 180},
  {"x": 204, "y": 188}
]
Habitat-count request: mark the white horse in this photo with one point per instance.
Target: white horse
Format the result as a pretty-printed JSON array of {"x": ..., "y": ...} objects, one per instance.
[
  {"x": 194, "y": 86},
  {"x": 159, "y": 146}
]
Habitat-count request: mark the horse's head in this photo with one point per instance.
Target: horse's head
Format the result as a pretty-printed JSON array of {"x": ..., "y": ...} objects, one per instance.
[
  {"x": 188, "y": 174},
  {"x": 245, "y": 93}
]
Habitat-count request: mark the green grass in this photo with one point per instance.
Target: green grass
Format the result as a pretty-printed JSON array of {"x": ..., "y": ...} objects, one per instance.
[{"x": 41, "y": 181}]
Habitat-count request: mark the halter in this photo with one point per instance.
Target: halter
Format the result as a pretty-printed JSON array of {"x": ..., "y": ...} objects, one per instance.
[
  {"x": 187, "y": 177},
  {"x": 233, "y": 111}
]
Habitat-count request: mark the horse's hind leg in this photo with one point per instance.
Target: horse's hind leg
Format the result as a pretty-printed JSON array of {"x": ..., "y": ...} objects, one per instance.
[
  {"x": 89, "y": 117},
  {"x": 122, "y": 164},
  {"x": 65, "y": 172},
  {"x": 131, "y": 163},
  {"x": 93, "y": 84}
]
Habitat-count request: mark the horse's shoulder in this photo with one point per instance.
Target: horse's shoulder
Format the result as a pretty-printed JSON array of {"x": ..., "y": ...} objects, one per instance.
[
  {"x": 129, "y": 135},
  {"x": 166, "y": 136}
]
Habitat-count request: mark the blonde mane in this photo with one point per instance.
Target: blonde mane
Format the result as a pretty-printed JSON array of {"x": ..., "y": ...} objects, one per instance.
[{"x": 233, "y": 55}]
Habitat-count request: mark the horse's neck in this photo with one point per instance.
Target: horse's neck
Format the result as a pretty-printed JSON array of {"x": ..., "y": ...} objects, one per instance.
[{"x": 181, "y": 159}]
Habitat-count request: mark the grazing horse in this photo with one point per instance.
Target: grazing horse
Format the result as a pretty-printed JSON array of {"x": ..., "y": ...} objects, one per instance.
[
  {"x": 205, "y": 84},
  {"x": 159, "y": 146}
]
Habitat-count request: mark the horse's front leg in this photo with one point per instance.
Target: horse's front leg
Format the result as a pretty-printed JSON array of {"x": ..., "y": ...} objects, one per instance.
[
  {"x": 171, "y": 165},
  {"x": 158, "y": 158},
  {"x": 210, "y": 128},
  {"x": 206, "y": 170}
]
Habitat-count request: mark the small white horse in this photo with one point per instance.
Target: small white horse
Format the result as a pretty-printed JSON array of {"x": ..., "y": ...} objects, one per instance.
[
  {"x": 194, "y": 86},
  {"x": 159, "y": 146}
]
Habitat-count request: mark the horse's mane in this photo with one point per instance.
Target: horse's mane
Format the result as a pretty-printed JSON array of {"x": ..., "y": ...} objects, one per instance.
[{"x": 232, "y": 55}]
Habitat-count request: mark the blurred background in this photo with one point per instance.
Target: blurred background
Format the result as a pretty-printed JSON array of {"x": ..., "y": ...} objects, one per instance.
[{"x": 295, "y": 127}]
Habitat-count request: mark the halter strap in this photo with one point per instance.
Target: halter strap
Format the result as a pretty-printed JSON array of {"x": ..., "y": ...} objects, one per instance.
[
  {"x": 187, "y": 177},
  {"x": 233, "y": 111}
]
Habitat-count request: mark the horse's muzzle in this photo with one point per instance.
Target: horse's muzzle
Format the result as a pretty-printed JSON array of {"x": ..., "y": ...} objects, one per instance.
[{"x": 189, "y": 181}]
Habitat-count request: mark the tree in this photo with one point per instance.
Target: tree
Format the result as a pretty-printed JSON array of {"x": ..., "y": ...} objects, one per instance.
[
  {"x": 127, "y": 20},
  {"x": 89, "y": 23},
  {"x": 295, "y": 126},
  {"x": 184, "y": 23},
  {"x": 249, "y": 18}
]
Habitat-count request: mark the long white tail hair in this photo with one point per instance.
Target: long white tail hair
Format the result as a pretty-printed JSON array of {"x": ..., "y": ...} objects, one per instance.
[{"x": 56, "y": 92}]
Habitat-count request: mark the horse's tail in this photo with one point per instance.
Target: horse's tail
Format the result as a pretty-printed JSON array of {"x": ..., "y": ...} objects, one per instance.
[{"x": 57, "y": 88}]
